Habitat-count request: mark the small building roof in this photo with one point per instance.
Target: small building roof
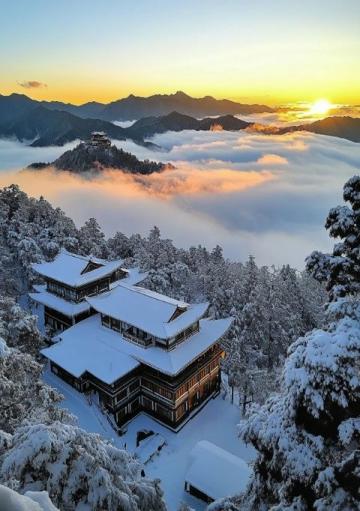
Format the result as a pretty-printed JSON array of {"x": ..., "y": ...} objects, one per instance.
[
  {"x": 216, "y": 472},
  {"x": 149, "y": 311},
  {"x": 90, "y": 346},
  {"x": 68, "y": 269}
]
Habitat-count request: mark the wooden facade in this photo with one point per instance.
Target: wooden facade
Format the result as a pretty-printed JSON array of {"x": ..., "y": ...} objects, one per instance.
[
  {"x": 77, "y": 294},
  {"x": 183, "y": 380},
  {"x": 168, "y": 399},
  {"x": 59, "y": 321}
]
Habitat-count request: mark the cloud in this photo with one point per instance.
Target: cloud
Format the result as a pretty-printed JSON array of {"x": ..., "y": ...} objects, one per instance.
[
  {"x": 272, "y": 159},
  {"x": 32, "y": 84},
  {"x": 252, "y": 193}
]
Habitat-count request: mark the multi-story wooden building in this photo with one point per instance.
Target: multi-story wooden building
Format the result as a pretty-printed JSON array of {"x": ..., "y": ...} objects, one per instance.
[
  {"x": 69, "y": 279},
  {"x": 142, "y": 351},
  {"x": 99, "y": 139}
]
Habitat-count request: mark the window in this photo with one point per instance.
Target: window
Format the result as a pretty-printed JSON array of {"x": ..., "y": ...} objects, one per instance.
[
  {"x": 192, "y": 382},
  {"x": 214, "y": 364},
  {"x": 181, "y": 410},
  {"x": 134, "y": 386},
  {"x": 164, "y": 392},
  {"x": 147, "y": 384},
  {"x": 121, "y": 395},
  {"x": 115, "y": 324},
  {"x": 164, "y": 412},
  {"x": 147, "y": 403},
  {"x": 105, "y": 320},
  {"x": 135, "y": 405},
  {"x": 203, "y": 372},
  {"x": 181, "y": 390},
  {"x": 121, "y": 413}
]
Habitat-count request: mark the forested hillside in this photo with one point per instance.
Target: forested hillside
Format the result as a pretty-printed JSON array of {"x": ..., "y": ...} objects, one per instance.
[
  {"x": 271, "y": 307},
  {"x": 307, "y": 435}
]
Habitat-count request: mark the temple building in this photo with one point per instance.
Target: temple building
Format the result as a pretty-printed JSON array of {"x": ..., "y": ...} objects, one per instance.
[
  {"x": 99, "y": 139},
  {"x": 69, "y": 279},
  {"x": 140, "y": 351}
]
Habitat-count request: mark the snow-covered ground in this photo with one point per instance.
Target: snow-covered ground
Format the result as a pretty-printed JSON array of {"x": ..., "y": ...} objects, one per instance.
[{"x": 216, "y": 422}]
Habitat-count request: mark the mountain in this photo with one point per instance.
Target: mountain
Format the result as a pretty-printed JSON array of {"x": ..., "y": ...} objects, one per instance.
[
  {"x": 14, "y": 106},
  {"x": 55, "y": 123},
  {"x": 175, "y": 121},
  {"x": 136, "y": 107},
  {"x": 53, "y": 127},
  {"x": 92, "y": 109},
  {"x": 342, "y": 127},
  {"x": 88, "y": 158}
]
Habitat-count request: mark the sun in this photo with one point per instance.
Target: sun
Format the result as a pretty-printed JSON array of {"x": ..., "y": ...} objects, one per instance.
[{"x": 320, "y": 107}]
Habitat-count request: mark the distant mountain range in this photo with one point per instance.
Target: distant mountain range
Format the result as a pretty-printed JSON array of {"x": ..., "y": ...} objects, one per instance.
[
  {"x": 87, "y": 158},
  {"x": 43, "y": 127},
  {"x": 175, "y": 121},
  {"x": 342, "y": 127},
  {"x": 133, "y": 107},
  {"x": 43, "y": 124},
  {"x": 31, "y": 121}
]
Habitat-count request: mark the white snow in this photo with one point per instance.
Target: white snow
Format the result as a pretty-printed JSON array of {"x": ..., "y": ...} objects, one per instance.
[
  {"x": 55, "y": 302},
  {"x": 147, "y": 310},
  {"x": 91, "y": 353},
  {"x": 4, "y": 350},
  {"x": 216, "y": 422},
  {"x": 107, "y": 355},
  {"x": 216, "y": 472},
  {"x": 67, "y": 267},
  {"x": 10, "y": 500}
]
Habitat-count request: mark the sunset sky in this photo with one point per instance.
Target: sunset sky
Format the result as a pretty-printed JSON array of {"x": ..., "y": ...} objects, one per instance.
[{"x": 260, "y": 50}]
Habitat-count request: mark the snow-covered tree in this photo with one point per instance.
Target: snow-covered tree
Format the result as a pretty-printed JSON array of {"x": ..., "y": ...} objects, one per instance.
[
  {"x": 119, "y": 246},
  {"x": 24, "y": 395},
  {"x": 79, "y": 470},
  {"x": 92, "y": 239},
  {"x": 341, "y": 270},
  {"x": 308, "y": 437},
  {"x": 19, "y": 328}
]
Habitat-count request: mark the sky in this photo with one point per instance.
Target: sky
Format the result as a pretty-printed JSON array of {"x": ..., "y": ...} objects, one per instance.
[{"x": 248, "y": 50}]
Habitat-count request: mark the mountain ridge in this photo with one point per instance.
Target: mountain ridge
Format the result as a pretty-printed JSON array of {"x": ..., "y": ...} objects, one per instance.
[
  {"x": 30, "y": 120},
  {"x": 135, "y": 107}
]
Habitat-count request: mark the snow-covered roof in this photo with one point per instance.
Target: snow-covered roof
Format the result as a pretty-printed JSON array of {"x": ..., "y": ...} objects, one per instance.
[
  {"x": 216, "y": 472},
  {"x": 70, "y": 309},
  {"x": 67, "y": 268},
  {"x": 90, "y": 346},
  {"x": 100, "y": 358},
  {"x": 147, "y": 310},
  {"x": 134, "y": 276}
]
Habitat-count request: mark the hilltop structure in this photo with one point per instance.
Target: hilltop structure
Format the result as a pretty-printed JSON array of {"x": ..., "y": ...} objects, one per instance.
[
  {"x": 99, "y": 139},
  {"x": 137, "y": 349}
]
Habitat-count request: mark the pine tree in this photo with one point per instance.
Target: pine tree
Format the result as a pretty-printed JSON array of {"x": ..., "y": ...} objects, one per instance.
[
  {"x": 308, "y": 437},
  {"x": 341, "y": 270},
  {"x": 77, "y": 469},
  {"x": 24, "y": 395},
  {"x": 92, "y": 239}
]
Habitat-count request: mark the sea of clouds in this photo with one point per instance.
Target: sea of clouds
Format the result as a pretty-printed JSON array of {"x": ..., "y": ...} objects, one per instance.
[{"x": 266, "y": 195}]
